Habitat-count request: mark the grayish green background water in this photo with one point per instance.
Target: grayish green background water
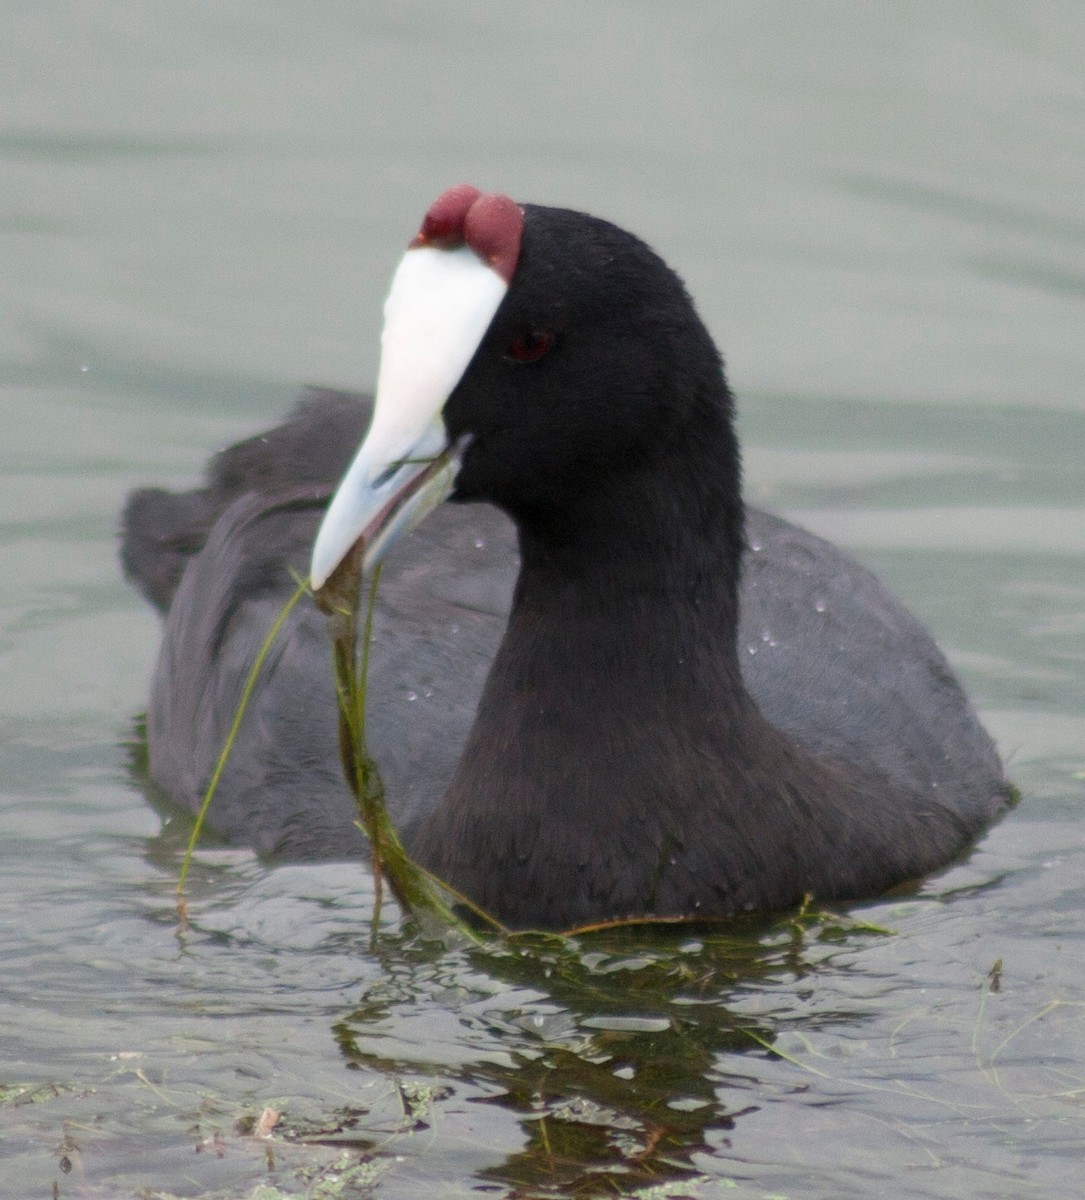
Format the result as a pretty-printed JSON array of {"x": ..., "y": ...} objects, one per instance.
[{"x": 879, "y": 211}]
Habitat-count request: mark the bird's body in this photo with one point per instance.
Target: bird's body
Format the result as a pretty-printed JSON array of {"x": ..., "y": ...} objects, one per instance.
[{"x": 593, "y": 710}]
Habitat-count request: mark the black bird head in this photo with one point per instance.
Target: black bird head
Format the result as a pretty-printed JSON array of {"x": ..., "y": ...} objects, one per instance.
[{"x": 534, "y": 358}]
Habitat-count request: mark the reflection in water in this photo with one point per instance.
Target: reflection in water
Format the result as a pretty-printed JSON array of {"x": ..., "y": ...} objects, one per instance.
[{"x": 604, "y": 1046}]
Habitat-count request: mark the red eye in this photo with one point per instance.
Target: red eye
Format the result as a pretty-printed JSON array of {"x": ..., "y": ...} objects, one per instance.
[{"x": 531, "y": 345}]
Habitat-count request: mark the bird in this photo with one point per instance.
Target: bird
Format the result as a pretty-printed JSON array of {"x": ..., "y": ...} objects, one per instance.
[{"x": 601, "y": 686}]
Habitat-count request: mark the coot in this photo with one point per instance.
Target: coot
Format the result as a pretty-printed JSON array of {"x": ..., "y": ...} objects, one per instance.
[{"x": 609, "y": 690}]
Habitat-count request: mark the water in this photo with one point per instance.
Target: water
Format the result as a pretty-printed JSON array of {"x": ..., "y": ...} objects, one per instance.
[{"x": 879, "y": 214}]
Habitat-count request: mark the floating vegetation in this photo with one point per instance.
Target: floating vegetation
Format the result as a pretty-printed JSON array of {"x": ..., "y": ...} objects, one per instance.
[{"x": 14, "y": 1095}]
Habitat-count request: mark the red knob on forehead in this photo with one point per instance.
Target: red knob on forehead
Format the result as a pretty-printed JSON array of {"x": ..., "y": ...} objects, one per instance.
[
  {"x": 443, "y": 223},
  {"x": 491, "y": 225}
]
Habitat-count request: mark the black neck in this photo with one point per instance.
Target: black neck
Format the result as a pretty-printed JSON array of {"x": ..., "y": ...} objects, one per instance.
[
  {"x": 634, "y": 586},
  {"x": 658, "y": 537}
]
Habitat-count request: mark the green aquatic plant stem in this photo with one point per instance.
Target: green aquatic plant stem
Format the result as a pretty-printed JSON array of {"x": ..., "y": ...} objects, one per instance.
[
  {"x": 366, "y": 782},
  {"x": 231, "y": 737},
  {"x": 418, "y": 892}
]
